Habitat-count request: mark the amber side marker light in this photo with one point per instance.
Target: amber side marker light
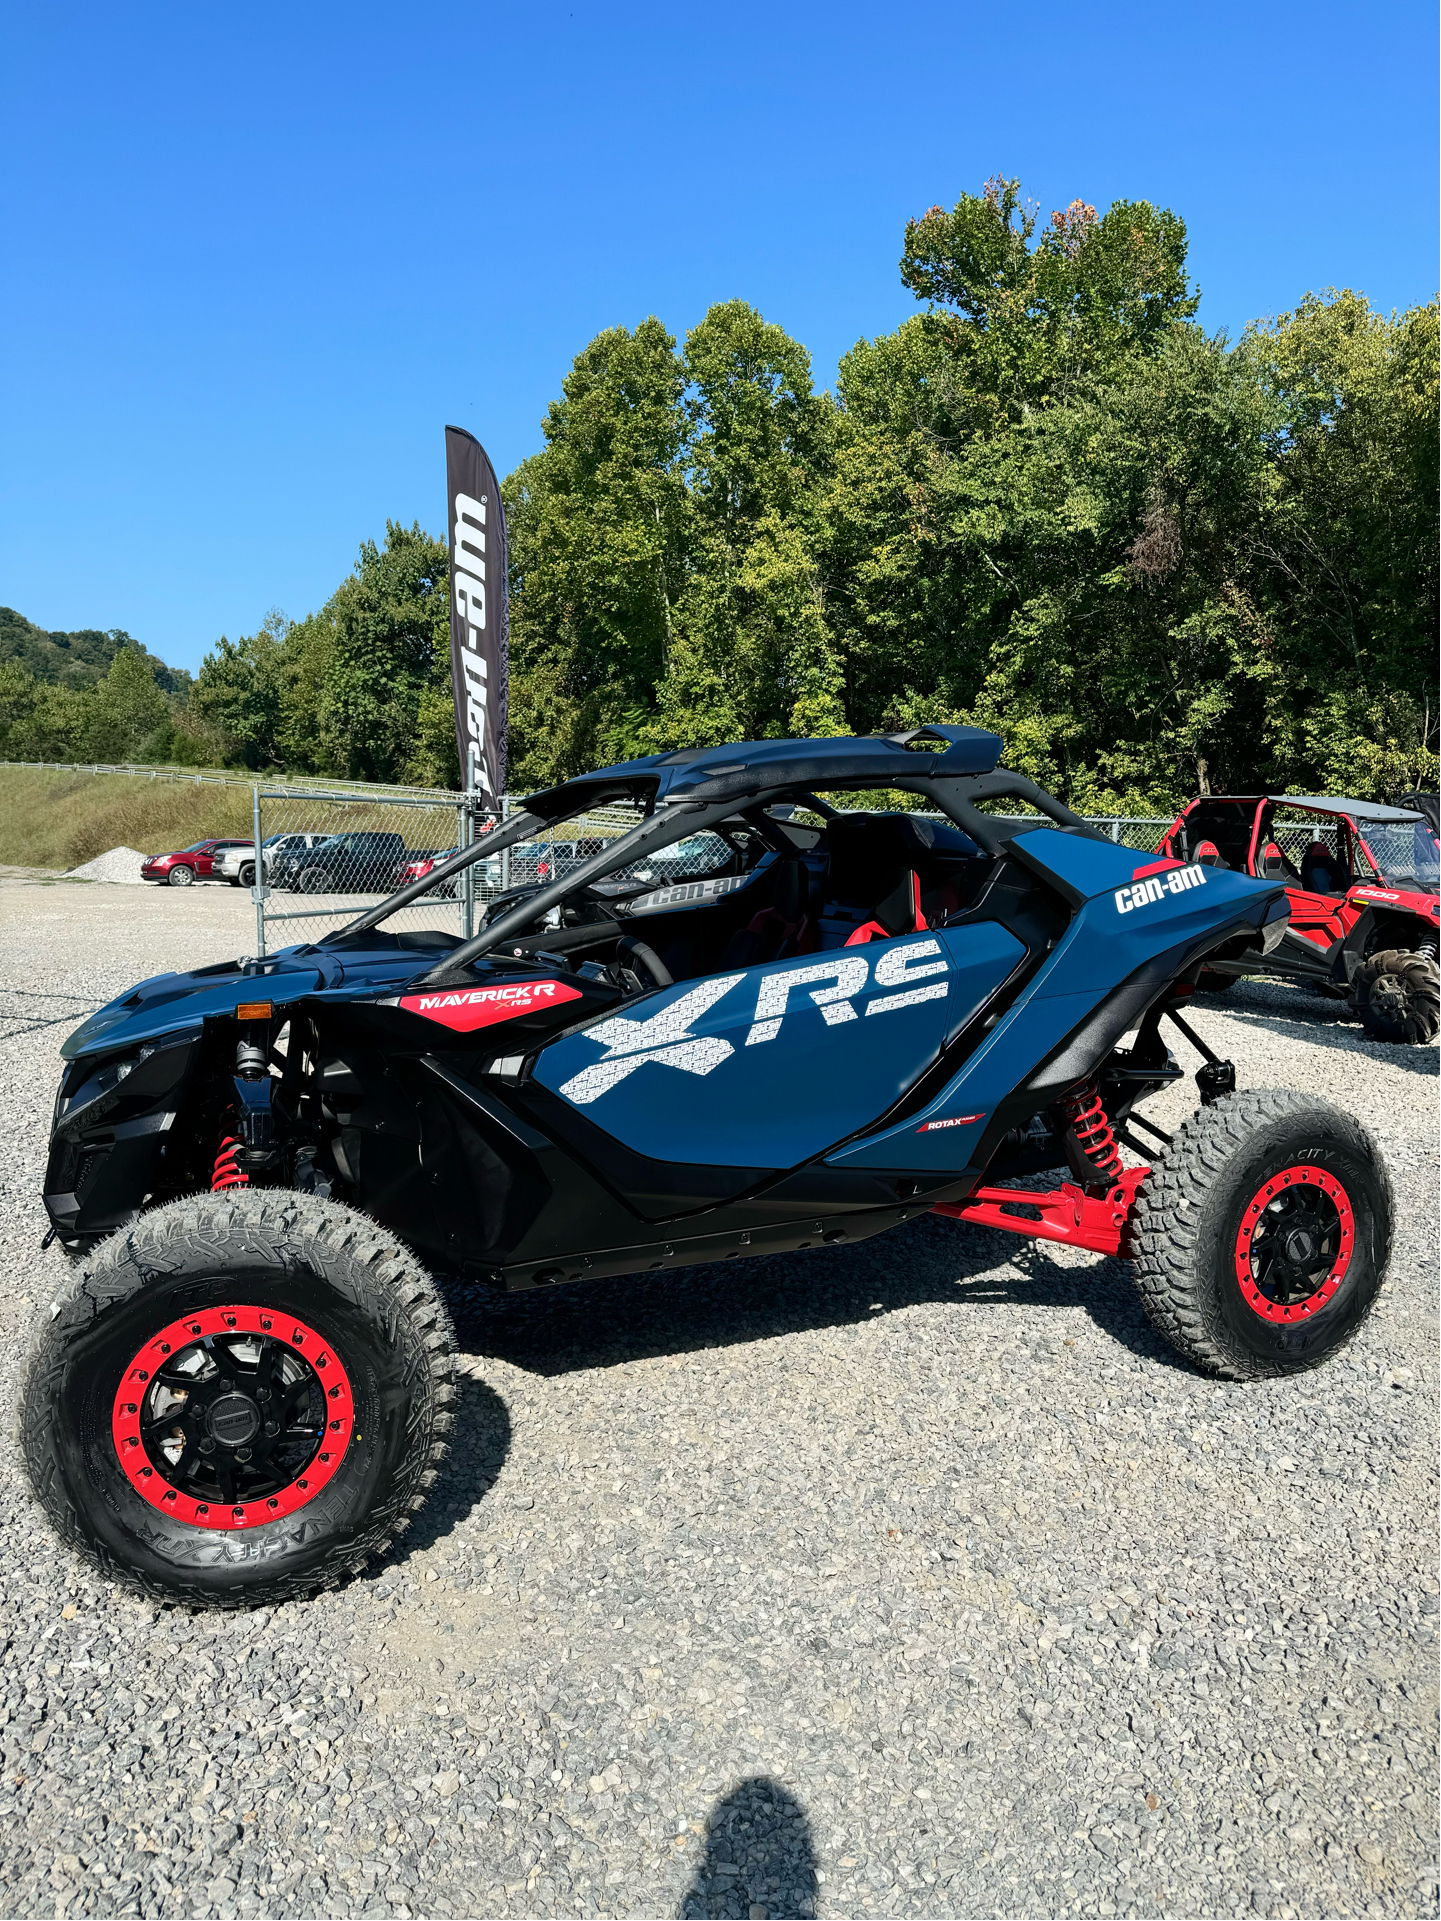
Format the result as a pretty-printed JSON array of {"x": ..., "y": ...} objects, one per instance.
[{"x": 254, "y": 1010}]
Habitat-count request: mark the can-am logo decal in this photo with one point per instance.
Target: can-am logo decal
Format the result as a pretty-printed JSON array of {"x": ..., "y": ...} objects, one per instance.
[
  {"x": 684, "y": 894},
  {"x": 472, "y": 1007},
  {"x": 831, "y": 985},
  {"x": 1143, "y": 892}
]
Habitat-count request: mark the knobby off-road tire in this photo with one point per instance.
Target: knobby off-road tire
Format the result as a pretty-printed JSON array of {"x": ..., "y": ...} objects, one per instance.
[
  {"x": 292, "y": 1327},
  {"x": 1397, "y": 996},
  {"x": 1262, "y": 1234}
]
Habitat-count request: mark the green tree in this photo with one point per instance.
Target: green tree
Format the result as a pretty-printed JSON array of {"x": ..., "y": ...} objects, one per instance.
[
  {"x": 599, "y": 530},
  {"x": 754, "y": 654},
  {"x": 391, "y": 642},
  {"x": 241, "y": 690},
  {"x": 1027, "y": 326},
  {"x": 1348, "y": 563}
]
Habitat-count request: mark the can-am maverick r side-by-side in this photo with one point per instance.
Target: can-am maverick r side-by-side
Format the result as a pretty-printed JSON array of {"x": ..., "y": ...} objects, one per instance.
[
  {"x": 1361, "y": 881},
  {"x": 266, "y": 1170}
]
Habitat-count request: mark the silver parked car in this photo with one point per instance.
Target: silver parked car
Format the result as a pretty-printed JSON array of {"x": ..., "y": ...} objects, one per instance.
[{"x": 238, "y": 862}]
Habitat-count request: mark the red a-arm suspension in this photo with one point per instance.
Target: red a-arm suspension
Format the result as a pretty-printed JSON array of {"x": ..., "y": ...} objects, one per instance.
[{"x": 1081, "y": 1218}]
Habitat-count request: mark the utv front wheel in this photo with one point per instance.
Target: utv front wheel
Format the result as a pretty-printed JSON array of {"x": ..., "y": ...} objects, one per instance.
[
  {"x": 240, "y": 1399},
  {"x": 1397, "y": 996},
  {"x": 1262, "y": 1233}
]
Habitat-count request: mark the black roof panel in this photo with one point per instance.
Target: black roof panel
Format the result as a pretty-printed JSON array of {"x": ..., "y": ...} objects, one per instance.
[{"x": 746, "y": 767}]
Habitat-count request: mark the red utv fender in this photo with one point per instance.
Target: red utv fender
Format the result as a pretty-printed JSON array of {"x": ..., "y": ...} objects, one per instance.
[{"x": 1400, "y": 899}]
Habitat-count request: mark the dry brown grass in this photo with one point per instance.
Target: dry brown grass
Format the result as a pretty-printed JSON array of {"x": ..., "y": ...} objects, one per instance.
[{"x": 61, "y": 820}]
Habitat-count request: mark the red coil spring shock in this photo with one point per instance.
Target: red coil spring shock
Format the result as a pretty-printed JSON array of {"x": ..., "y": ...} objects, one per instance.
[
  {"x": 227, "y": 1174},
  {"x": 1092, "y": 1128}
]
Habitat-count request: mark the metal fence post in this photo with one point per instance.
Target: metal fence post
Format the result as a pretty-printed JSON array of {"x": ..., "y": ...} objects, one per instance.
[
  {"x": 467, "y": 839},
  {"x": 1116, "y": 830},
  {"x": 505, "y": 852},
  {"x": 258, "y": 889}
]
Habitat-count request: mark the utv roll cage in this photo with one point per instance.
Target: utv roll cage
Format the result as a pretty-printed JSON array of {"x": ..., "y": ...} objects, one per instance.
[{"x": 697, "y": 788}]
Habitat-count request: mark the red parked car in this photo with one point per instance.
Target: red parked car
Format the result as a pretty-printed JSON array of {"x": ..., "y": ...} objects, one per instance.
[
  {"x": 1361, "y": 880},
  {"x": 189, "y": 865}
]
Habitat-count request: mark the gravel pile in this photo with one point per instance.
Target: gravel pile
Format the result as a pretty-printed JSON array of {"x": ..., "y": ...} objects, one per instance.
[
  {"x": 121, "y": 863},
  {"x": 912, "y": 1578}
]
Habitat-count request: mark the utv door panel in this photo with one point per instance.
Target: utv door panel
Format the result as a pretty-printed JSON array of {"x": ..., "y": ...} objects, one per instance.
[{"x": 768, "y": 1065}]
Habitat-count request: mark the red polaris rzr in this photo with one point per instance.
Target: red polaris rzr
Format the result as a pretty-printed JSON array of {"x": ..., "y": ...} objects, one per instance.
[{"x": 1362, "y": 884}]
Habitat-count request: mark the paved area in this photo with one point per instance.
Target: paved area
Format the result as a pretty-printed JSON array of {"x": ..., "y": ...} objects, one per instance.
[{"x": 915, "y": 1578}]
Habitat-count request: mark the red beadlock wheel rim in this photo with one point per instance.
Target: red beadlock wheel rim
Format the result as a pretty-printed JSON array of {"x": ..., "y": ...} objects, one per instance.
[
  {"x": 1294, "y": 1244},
  {"x": 233, "y": 1416}
]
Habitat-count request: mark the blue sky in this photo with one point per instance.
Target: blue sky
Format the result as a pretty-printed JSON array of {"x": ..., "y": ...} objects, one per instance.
[{"x": 257, "y": 258}]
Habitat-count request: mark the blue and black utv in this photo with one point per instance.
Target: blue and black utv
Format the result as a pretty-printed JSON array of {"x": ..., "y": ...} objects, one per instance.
[{"x": 841, "y": 1016}]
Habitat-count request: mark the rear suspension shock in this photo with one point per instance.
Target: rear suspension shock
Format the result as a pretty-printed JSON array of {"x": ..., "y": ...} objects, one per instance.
[{"x": 1091, "y": 1125}]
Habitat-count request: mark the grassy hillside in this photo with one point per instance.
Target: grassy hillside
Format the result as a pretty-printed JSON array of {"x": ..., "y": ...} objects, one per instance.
[
  {"x": 59, "y": 820},
  {"x": 81, "y": 659}
]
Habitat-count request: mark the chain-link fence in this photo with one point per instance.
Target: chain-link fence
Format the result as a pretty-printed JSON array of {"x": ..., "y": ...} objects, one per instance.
[{"x": 328, "y": 856}]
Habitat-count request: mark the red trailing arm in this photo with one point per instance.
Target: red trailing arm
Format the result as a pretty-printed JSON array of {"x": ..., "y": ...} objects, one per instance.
[{"x": 1065, "y": 1213}]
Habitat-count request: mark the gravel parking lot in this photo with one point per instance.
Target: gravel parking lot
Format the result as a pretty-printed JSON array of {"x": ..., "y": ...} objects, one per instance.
[{"x": 915, "y": 1578}]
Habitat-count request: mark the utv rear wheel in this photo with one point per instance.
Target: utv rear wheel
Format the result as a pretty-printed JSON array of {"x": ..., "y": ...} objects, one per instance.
[
  {"x": 240, "y": 1399},
  {"x": 1397, "y": 996},
  {"x": 1261, "y": 1235}
]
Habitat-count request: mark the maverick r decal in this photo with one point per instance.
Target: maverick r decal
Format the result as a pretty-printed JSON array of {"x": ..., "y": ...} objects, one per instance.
[{"x": 474, "y": 1007}]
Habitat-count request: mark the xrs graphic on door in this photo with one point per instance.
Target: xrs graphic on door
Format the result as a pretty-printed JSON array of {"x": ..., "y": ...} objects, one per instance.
[{"x": 765, "y": 1066}]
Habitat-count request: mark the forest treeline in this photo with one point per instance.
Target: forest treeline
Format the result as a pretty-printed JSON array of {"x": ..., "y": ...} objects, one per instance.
[{"x": 1050, "y": 503}]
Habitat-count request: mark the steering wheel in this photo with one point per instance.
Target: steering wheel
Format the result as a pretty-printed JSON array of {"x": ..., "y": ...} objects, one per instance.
[{"x": 643, "y": 961}]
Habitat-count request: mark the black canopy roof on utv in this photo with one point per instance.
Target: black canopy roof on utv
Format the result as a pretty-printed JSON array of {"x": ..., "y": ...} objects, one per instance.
[{"x": 739, "y": 768}]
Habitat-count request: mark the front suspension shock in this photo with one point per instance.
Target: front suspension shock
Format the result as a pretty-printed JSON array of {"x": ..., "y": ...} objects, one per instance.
[{"x": 227, "y": 1174}]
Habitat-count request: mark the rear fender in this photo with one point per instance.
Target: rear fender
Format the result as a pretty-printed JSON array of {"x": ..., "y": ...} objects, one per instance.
[{"x": 1061, "y": 1028}]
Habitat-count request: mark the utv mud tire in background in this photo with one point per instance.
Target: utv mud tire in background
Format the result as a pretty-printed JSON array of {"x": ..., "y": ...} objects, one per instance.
[
  {"x": 1397, "y": 995},
  {"x": 222, "y": 1321},
  {"x": 1261, "y": 1235}
]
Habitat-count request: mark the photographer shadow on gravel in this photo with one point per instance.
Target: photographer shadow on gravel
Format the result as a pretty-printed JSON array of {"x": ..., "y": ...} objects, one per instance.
[{"x": 759, "y": 1860}]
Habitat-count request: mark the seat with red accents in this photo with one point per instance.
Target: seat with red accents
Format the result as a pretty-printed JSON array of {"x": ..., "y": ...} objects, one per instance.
[
  {"x": 1275, "y": 866},
  {"x": 783, "y": 928},
  {"x": 899, "y": 913}
]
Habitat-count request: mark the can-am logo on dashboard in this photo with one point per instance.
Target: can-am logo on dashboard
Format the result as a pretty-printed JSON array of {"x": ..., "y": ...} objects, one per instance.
[
  {"x": 1144, "y": 893},
  {"x": 471, "y": 1007}
]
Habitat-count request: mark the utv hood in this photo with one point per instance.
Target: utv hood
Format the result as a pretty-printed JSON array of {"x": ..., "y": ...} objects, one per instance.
[{"x": 168, "y": 1003}]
